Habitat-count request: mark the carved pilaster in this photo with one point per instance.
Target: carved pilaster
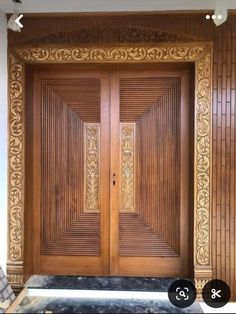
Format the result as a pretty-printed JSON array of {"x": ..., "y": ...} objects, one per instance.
[
  {"x": 203, "y": 268},
  {"x": 16, "y": 173}
]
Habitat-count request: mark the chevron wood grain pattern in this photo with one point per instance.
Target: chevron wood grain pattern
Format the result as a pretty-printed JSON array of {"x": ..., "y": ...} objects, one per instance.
[
  {"x": 138, "y": 239},
  {"x": 157, "y": 116},
  {"x": 137, "y": 95},
  {"x": 79, "y": 95},
  {"x": 66, "y": 229}
]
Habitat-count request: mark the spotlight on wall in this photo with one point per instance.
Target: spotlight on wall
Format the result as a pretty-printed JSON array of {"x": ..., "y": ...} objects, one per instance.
[{"x": 221, "y": 12}]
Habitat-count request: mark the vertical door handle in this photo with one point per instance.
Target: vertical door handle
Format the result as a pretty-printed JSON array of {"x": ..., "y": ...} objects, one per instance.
[{"x": 114, "y": 179}]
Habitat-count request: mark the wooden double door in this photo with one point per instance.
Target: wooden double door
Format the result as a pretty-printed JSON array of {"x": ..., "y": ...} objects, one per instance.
[{"x": 110, "y": 173}]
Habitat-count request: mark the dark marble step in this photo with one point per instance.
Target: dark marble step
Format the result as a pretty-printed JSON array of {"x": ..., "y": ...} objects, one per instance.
[
  {"x": 71, "y": 305},
  {"x": 101, "y": 283}
]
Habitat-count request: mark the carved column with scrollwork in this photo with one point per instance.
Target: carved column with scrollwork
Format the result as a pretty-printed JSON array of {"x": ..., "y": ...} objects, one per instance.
[
  {"x": 15, "y": 262},
  {"x": 202, "y": 171}
]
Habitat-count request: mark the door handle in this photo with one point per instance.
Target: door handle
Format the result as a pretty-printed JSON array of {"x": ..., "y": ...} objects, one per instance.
[{"x": 114, "y": 179}]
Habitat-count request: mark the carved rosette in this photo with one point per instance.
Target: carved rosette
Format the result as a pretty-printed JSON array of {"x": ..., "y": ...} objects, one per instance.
[
  {"x": 91, "y": 155},
  {"x": 127, "y": 167},
  {"x": 198, "y": 53},
  {"x": 16, "y": 171}
]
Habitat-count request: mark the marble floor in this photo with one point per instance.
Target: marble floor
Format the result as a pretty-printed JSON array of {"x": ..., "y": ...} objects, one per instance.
[
  {"x": 101, "y": 283},
  {"x": 73, "y": 305},
  {"x": 38, "y": 302}
]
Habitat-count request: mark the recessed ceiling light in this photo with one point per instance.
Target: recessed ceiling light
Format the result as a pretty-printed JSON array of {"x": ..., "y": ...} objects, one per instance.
[
  {"x": 219, "y": 17},
  {"x": 213, "y": 16},
  {"x": 208, "y": 17}
]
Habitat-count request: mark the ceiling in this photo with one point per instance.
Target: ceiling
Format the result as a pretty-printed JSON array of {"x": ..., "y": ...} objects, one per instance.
[{"x": 72, "y": 6}]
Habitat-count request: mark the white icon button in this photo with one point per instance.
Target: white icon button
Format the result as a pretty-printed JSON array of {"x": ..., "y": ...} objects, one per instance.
[
  {"x": 17, "y": 20},
  {"x": 215, "y": 293}
]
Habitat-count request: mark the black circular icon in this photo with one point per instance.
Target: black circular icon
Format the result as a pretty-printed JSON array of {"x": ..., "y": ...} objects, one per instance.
[
  {"x": 216, "y": 293},
  {"x": 182, "y": 293}
]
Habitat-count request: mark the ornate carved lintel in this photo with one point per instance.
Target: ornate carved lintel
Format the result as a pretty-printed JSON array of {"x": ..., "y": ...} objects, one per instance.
[{"x": 164, "y": 53}]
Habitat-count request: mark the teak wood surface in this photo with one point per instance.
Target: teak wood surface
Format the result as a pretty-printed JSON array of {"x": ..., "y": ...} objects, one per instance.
[{"x": 110, "y": 261}]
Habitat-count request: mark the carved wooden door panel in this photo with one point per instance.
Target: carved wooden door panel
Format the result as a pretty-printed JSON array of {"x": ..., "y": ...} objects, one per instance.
[
  {"x": 111, "y": 173},
  {"x": 150, "y": 161},
  {"x": 70, "y": 173}
]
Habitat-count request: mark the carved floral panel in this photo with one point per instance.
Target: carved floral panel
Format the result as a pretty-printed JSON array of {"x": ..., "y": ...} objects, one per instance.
[
  {"x": 127, "y": 138},
  {"x": 91, "y": 167}
]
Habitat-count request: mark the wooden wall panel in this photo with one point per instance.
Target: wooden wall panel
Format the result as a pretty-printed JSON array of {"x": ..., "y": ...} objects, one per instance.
[{"x": 224, "y": 155}]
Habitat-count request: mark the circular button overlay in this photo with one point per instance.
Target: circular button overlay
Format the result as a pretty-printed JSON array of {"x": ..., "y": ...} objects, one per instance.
[
  {"x": 216, "y": 293},
  {"x": 182, "y": 293}
]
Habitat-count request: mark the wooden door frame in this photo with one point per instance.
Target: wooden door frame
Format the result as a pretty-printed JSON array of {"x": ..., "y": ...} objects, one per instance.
[{"x": 199, "y": 53}]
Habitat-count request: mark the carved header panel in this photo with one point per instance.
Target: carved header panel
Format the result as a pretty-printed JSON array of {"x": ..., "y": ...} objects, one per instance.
[
  {"x": 110, "y": 35},
  {"x": 113, "y": 28}
]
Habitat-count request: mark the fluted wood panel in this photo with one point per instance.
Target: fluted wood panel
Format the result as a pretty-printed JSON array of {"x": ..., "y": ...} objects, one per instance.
[
  {"x": 137, "y": 95},
  {"x": 82, "y": 96},
  {"x": 66, "y": 229},
  {"x": 157, "y": 170},
  {"x": 138, "y": 239}
]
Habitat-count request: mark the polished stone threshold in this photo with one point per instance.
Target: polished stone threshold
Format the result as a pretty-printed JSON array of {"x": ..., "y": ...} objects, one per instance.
[
  {"x": 73, "y": 294},
  {"x": 101, "y": 283},
  {"x": 88, "y": 305}
]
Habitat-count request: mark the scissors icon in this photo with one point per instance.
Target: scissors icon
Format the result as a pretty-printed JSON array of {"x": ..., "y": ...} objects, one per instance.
[{"x": 215, "y": 293}]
